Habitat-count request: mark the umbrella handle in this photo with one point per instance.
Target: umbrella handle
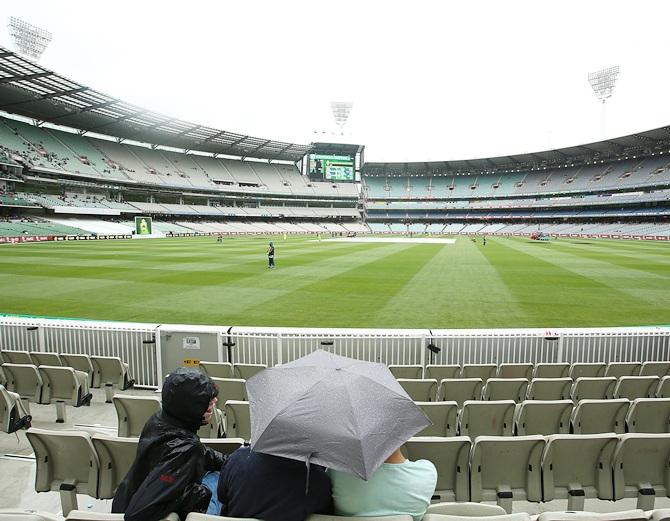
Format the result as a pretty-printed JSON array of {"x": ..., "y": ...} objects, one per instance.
[{"x": 307, "y": 478}]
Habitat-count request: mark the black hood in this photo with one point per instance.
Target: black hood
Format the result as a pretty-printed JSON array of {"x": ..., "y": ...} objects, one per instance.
[{"x": 186, "y": 396}]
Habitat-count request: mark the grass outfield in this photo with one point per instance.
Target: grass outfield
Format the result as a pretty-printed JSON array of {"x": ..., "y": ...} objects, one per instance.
[{"x": 512, "y": 282}]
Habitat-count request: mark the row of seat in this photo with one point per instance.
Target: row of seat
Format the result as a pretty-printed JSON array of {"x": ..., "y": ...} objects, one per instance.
[
  {"x": 519, "y": 389},
  {"x": 228, "y": 370},
  {"x": 529, "y": 371}
]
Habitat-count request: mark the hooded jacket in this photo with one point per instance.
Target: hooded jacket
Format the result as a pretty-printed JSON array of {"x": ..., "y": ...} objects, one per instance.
[{"x": 171, "y": 461}]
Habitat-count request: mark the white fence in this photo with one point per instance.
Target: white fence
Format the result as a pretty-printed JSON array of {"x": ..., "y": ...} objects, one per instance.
[{"x": 139, "y": 344}]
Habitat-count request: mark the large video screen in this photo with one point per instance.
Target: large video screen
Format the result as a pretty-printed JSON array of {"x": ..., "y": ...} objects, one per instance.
[{"x": 332, "y": 167}]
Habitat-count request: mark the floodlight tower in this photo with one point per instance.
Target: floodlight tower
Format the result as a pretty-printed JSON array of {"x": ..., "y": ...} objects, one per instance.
[
  {"x": 28, "y": 39},
  {"x": 341, "y": 111},
  {"x": 603, "y": 83}
]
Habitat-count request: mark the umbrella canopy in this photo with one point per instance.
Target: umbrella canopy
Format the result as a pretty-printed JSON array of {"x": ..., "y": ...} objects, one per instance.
[{"x": 337, "y": 412}]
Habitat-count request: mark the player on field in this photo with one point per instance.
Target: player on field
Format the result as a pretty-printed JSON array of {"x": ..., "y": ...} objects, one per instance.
[{"x": 271, "y": 256}]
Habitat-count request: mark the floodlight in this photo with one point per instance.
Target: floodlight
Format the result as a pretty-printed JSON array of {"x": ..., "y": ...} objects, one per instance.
[
  {"x": 28, "y": 39},
  {"x": 603, "y": 82},
  {"x": 341, "y": 111}
]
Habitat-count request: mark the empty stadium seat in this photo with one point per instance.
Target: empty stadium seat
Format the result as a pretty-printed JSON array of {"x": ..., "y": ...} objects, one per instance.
[
  {"x": 79, "y": 362},
  {"x": 542, "y": 417},
  {"x": 325, "y": 517},
  {"x": 442, "y": 372},
  {"x": 17, "y": 357},
  {"x": 444, "y": 416},
  {"x": 460, "y": 389},
  {"x": 465, "y": 509},
  {"x": 238, "y": 419},
  {"x": 215, "y": 428},
  {"x": 558, "y": 370},
  {"x": 217, "y": 369},
  {"x": 517, "y": 516},
  {"x": 246, "y": 371},
  {"x": 110, "y": 372},
  {"x": 506, "y": 469},
  {"x": 577, "y": 467},
  {"x": 231, "y": 389},
  {"x": 420, "y": 390},
  {"x": 196, "y": 516},
  {"x": 3, "y": 378},
  {"x": 24, "y": 380},
  {"x": 13, "y": 415},
  {"x": 9, "y": 514},
  {"x": 587, "y": 370},
  {"x": 115, "y": 455},
  {"x": 66, "y": 461},
  {"x": 223, "y": 445},
  {"x": 515, "y": 371},
  {"x": 641, "y": 468},
  {"x": 593, "y": 389},
  {"x": 632, "y": 387},
  {"x": 64, "y": 386},
  {"x": 479, "y": 418},
  {"x": 450, "y": 457},
  {"x": 655, "y": 368},
  {"x": 410, "y": 372},
  {"x": 626, "y": 515},
  {"x": 597, "y": 416},
  {"x": 649, "y": 415},
  {"x": 132, "y": 412},
  {"x": 41, "y": 358},
  {"x": 619, "y": 369},
  {"x": 505, "y": 389},
  {"x": 549, "y": 389},
  {"x": 663, "y": 389},
  {"x": 483, "y": 371}
]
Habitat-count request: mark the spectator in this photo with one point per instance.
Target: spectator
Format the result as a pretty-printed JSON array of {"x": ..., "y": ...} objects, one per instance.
[{"x": 399, "y": 486}]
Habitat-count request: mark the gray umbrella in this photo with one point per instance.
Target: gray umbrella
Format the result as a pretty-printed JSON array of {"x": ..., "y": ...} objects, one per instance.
[{"x": 337, "y": 412}]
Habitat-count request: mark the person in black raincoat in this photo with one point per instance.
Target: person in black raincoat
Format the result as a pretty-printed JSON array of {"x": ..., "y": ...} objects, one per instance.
[{"x": 171, "y": 461}]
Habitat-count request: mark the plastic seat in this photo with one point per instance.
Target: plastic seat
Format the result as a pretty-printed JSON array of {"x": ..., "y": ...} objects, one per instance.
[
  {"x": 657, "y": 368},
  {"x": 450, "y": 457},
  {"x": 238, "y": 419},
  {"x": 641, "y": 468},
  {"x": 110, "y": 371},
  {"x": 576, "y": 467},
  {"x": 542, "y": 417},
  {"x": 66, "y": 462},
  {"x": 466, "y": 509},
  {"x": 80, "y": 363},
  {"x": 597, "y": 416},
  {"x": 246, "y": 371},
  {"x": 663, "y": 389},
  {"x": 626, "y": 515},
  {"x": 10, "y": 514},
  {"x": 486, "y": 418},
  {"x": 24, "y": 380},
  {"x": 420, "y": 390},
  {"x": 217, "y": 369},
  {"x": 632, "y": 387},
  {"x": 549, "y": 389},
  {"x": 593, "y": 389},
  {"x": 231, "y": 389},
  {"x": 505, "y": 469},
  {"x": 459, "y": 390},
  {"x": 442, "y": 372},
  {"x": 505, "y": 389},
  {"x": 64, "y": 386},
  {"x": 223, "y": 445},
  {"x": 518, "y": 516},
  {"x": 89, "y": 515},
  {"x": 558, "y": 370},
  {"x": 13, "y": 415},
  {"x": 619, "y": 369},
  {"x": 444, "y": 416},
  {"x": 196, "y": 516},
  {"x": 17, "y": 357},
  {"x": 215, "y": 428},
  {"x": 587, "y": 370},
  {"x": 649, "y": 415},
  {"x": 41, "y": 358},
  {"x": 407, "y": 372},
  {"x": 483, "y": 371},
  {"x": 115, "y": 455},
  {"x": 132, "y": 412},
  {"x": 515, "y": 371}
]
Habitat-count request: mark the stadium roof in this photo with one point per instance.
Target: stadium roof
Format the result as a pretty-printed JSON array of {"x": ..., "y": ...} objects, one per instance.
[
  {"x": 30, "y": 90},
  {"x": 641, "y": 144}
]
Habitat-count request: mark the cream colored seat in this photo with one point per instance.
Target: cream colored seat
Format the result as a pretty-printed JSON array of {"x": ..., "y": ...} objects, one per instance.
[
  {"x": 626, "y": 515},
  {"x": 11, "y": 514},
  {"x": 619, "y": 369},
  {"x": 593, "y": 389},
  {"x": 324, "y": 517},
  {"x": 505, "y": 389},
  {"x": 486, "y": 418},
  {"x": 657, "y": 368},
  {"x": 515, "y": 371},
  {"x": 216, "y": 427},
  {"x": 632, "y": 387},
  {"x": 641, "y": 463},
  {"x": 13, "y": 415},
  {"x": 111, "y": 372},
  {"x": 420, "y": 390},
  {"x": 549, "y": 389},
  {"x": 663, "y": 389},
  {"x": 17, "y": 357},
  {"x": 506, "y": 469},
  {"x": 649, "y": 415},
  {"x": 518, "y": 516},
  {"x": 558, "y": 370},
  {"x": 64, "y": 386},
  {"x": 223, "y": 445},
  {"x": 246, "y": 371},
  {"x": 42, "y": 358},
  {"x": 587, "y": 370},
  {"x": 542, "y": 417},
  {"x": 24, "y": 380},
  {"x": 411, "y": 372},
  {"x": 442, "y": 372},
  {"x": 466, "y": 509},
  {"x": 450, "y": 457},
  {"x": 597, "y": 416},
  {"x": 116, "y": 456},
  {"x": 217, "y": 369},
  {"x": 576, "y": 467},
  {"x": 89, "y": 515},
  {"x": 231, "y": 389},
  {"x": 196, "y": 516},
  {"x": 132, "y": 412},
  {"x": 80, "y": 362},
  {"x": 444, "y": 416},
  {"x": 460, "y": 389},
  {"x": 238, "y": 419},
  {"x": 483, "y": 371},
  {"x": 66, "y": 462}
]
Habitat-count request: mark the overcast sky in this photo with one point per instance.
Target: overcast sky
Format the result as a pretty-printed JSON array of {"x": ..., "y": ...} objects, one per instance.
[{"x": 429, "y": 80}]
